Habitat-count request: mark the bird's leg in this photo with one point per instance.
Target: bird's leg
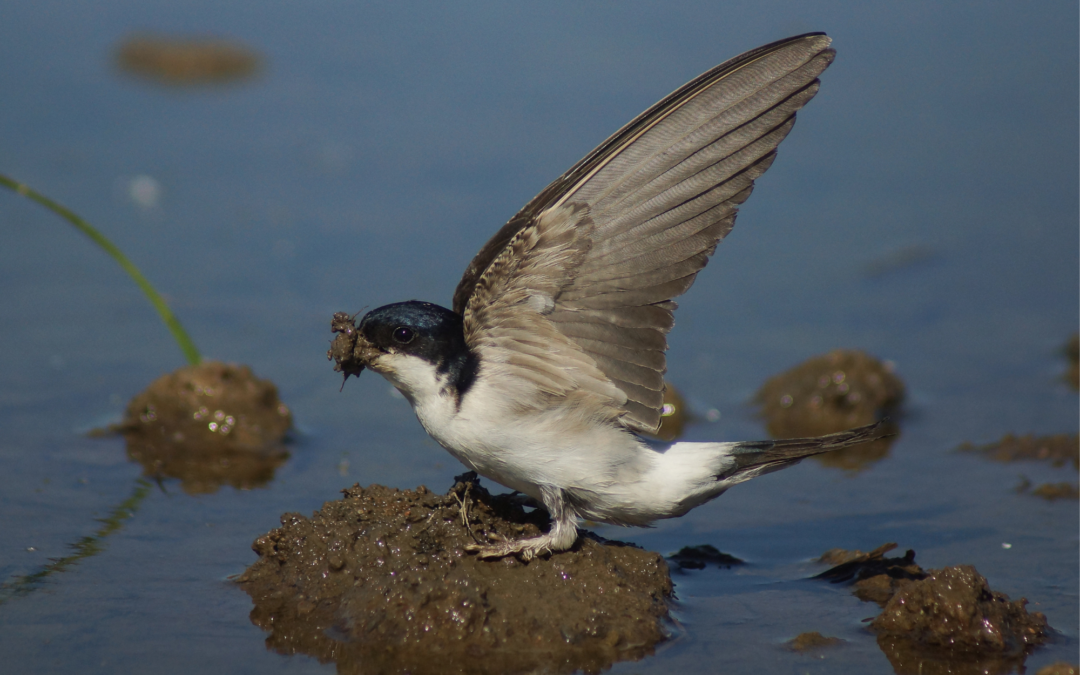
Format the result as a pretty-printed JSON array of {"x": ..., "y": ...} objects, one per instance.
[{"x": 561, "y": 536}]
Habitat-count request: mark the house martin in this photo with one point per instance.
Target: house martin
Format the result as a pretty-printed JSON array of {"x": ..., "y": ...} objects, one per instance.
[{"x": 551, "y": 361}]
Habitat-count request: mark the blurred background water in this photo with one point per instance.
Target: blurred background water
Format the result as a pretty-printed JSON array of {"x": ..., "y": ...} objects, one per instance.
[{"x": 924, "y": 209}]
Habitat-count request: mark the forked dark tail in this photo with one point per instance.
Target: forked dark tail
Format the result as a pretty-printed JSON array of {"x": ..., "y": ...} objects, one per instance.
[{"x": 754, "y": 458}]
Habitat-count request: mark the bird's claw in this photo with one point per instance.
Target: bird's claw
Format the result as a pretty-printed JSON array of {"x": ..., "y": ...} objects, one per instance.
[{"x": 525, "y": 549}]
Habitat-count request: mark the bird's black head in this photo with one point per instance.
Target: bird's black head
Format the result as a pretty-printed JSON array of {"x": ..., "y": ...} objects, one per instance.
[
  {"x": 425, "y": 330},
  {"x": 417, "y": 328}
]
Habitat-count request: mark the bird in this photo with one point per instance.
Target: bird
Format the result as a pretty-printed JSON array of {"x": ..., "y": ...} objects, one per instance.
[{"x": 547, "y": 373}]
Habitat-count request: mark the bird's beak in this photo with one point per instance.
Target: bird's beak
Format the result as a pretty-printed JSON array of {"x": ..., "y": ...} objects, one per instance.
[{"x": 349, "y": 350}]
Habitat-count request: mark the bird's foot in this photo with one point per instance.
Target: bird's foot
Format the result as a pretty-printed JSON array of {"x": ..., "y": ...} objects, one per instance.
[
  {"x": 526, "y": 549},
  {"x": 560, "y": 537}
]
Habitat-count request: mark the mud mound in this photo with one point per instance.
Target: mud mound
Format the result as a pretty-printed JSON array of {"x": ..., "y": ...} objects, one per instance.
[
  {"x": 379, "y": 582},
  {"x": 955, "y": 608},
  {"x": 939, "y": 622},
  {"x": 830, "y": 393},
  {"x": 208, "y": 425}
]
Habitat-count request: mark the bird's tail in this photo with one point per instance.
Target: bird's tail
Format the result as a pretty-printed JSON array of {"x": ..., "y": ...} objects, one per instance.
[
  {"x": 750, "y": 459},
  {"x": 686, "y": 475}
]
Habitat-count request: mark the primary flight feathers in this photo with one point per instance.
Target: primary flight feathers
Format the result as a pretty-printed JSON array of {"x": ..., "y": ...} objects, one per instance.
[{"x": 574, "y": 293}]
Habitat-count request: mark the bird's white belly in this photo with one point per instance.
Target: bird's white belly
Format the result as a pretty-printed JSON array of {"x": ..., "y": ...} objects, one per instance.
[
  {"x": 524, "y": 451},
  {"x": 609, "y": 473}
]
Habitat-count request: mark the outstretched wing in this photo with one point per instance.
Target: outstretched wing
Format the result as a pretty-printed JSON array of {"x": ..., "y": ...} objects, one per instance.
[{"x": 574, "y": 292}]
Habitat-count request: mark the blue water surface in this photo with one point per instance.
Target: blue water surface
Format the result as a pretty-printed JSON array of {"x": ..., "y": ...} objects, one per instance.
[{"x": 924, "y": 209}]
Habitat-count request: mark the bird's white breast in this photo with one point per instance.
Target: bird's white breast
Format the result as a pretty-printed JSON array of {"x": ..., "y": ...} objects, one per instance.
[{"x": 617, "y": 477}]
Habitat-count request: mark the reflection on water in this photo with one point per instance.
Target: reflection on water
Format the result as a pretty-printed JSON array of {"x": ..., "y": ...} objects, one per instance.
[
  {"x": 202, "y": 468},
  {"x": 85, "y": 547}
]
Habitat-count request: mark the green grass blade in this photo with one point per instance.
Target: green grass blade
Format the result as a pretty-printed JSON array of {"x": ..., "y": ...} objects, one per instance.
[{"x": 179, "y": 334}]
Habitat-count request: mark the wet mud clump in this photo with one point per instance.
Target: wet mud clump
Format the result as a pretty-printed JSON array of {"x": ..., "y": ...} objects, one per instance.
[
  {"x": 346, "y": 350},
  {"x": 939, "y": 621},
  {"x": 208, "y": 425},
  {"x": 952, "y": 615},
  {"x": 831, "y": 393},
  {"x": 379, "y": 581},
  {"x": 186, "y": 61}
]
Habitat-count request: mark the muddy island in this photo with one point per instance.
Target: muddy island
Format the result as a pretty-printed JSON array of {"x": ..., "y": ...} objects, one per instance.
[{"x": 379, "y": 581}]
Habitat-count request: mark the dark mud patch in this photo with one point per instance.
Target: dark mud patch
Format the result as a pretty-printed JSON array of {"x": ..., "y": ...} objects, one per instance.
[
  {"x": 939, "y": 621},
  {"x": 1059, "y": 451},
  {"x": 208, "y": 425},
  {"x": 186, "y": 60},
  {"x": 812, "y": 642},
  {"x": 830, "y": 393},
  {"x": 700, "y": 557},
  {"x": 875, "y": 577},
  {"x": 379, "y": 581}
]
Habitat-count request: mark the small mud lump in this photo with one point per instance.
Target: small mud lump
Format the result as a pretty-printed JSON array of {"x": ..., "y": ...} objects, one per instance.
[
  {"x": 379, "y": 582},
  {"x": 208, "y": 425},
  {"x": 830, "y": 393},
  {"x": 342, "y": 349},
  {"x": 812, "y": 641},
  {"x": 186, "y": 60}
]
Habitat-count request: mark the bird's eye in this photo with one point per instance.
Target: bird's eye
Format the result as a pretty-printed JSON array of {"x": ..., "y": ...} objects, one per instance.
[{"x": 403, "y": 335}]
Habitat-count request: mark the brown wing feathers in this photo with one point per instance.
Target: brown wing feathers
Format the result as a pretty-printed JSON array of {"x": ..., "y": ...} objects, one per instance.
[{"x": 652, "y": 203}]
